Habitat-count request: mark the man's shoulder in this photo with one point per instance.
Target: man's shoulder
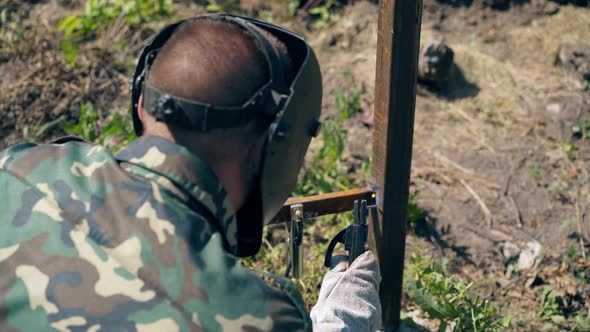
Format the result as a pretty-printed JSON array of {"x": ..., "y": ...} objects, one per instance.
[{"x": 28, "y": 157}]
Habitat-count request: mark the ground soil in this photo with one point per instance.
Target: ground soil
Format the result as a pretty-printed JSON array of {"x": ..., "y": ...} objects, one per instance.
[{"x": 495, "y": 159}]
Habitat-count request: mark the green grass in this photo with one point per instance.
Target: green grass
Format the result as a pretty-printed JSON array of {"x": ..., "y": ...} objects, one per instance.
[
  {"x": 323, "y": 14},
  {"x": 219, "y": 6},
  {"x": 327, "y": 171},
  {"x": 113, "y": 134},
  {"x": 99, "y": 14},
  {"x": 582, "y": 130},
  {"x": 447, "y": 299},
  {"x": 535, "y": 171}
]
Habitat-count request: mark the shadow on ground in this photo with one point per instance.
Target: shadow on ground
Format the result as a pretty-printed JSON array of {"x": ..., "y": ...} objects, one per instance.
[
  {"x": 426, "y": 228},
  {"x": 459, "y": 87}
]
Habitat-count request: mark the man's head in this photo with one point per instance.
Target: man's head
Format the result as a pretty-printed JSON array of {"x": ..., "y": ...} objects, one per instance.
[
  {"x": 218, "y": 63},
  {"x": 243, "y": 95}
]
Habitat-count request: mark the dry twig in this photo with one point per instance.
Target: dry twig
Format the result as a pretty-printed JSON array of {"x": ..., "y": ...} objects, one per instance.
[
  {"x": 579, "y": 221},
  {"x": 449, "y": 162},
  {"x": 517, "y": 214},
  {"x": 480, "y": 201}
]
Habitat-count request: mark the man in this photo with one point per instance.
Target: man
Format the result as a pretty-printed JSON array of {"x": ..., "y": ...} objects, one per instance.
[{"x": 147, "y": 240}]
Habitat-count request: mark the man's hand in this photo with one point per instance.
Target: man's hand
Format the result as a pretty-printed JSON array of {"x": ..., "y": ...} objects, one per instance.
[{"x": 349, "y": 298}]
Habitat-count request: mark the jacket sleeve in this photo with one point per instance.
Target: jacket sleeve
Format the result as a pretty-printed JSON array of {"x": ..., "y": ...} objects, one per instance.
[{"x": 288, "y": 309}]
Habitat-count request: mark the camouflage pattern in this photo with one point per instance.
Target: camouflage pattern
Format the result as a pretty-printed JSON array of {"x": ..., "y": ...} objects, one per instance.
[{"x": 141, "y": 241}]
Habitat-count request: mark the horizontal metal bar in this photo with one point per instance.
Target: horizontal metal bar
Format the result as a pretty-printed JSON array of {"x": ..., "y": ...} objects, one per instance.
[{"x": 320, "y": 205}]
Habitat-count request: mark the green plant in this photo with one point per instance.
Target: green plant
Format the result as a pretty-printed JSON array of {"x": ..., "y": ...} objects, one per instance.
[
  {"x": 348, "y": 101},
  {"x": 323, "y": 14},
  {"x": 218, "y": 6},
  {"x": 415, "y": 213},
  {"x": 326, "y": 172},
  {"x": 557, "y": 189},
  {"x": 580, "y": 271},
  {"x": 571, "y": 150},
  {"x": 447, "y": 299},
  {"x": 11, "y": 30},
  {"x": 582, "y": 130},
  {"x": 114, "y": 134},
  {"x": 549, "y": 308},
  {"x": 581, "y": 323},
  {"x": 535, "y": 172},
  {"x": 36, "y": 133},
  {"x": 100, "y": 13},
  {"x": 293, "y": 8}
]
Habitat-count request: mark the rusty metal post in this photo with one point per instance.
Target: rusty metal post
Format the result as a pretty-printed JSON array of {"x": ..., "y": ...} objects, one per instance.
[{"x": 395, "y": 100}]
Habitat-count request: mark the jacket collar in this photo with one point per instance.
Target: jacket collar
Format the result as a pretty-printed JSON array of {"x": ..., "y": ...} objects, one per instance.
[{"x": 188, "y": 173}]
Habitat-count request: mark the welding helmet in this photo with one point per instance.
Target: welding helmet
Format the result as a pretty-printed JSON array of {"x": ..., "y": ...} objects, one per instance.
[{"x": 293, "y": 109}]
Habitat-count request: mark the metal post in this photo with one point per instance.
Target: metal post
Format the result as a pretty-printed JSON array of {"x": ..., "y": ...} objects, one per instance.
[
  {"x": 294, "y": 241},
  {"x": 395, "y": 99}
]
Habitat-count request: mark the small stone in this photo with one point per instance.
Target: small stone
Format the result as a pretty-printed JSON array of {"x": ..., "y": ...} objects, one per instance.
[
  {"x": 575, "y": 58},
  {"x": 554, "y": 108},
  {"x": 509, "y": 250},
  {"x": 551, "y": 8},
  {"x": 529, "y": 255}
]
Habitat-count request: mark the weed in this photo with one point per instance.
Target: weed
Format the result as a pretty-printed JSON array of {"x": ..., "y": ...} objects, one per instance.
[
  {"x": 266, "y": 16},
  {"x": 415, "y": 213},
  {"x": 218, "y": 6},
  {"x": 571, "y": 150},
  {"x": 115, "y": 134},
  {"x": 557, "y": 189},
  {"x": 99, "y": 13},
  {"x": 293, "y": 8},
  {"x": 582, "y": 130},
  {"x": 11, "y": 32},
  {"x": 580, "y": 271},
  {"x": 348, "y": 101},
  {"x": 535, "y": 172},
  {"x": 323, "y": 14},
  {"x": 35, "y": 135},
  {"x": 581, "y": 323},
  {"x": 447, "y": 299},
  {"x": 550, "y": 311}
]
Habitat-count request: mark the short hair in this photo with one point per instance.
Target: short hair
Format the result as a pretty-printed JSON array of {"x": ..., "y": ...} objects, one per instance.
[
  {"x": 213, "y": 61},
  {"x": 217, "y": 62}
]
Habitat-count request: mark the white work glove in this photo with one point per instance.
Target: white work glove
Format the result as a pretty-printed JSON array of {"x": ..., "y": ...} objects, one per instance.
[{"x": 349, "y": 298}]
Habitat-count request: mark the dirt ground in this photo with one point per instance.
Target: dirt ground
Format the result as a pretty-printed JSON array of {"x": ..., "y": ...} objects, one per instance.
[{"x": 499, "y": 167}]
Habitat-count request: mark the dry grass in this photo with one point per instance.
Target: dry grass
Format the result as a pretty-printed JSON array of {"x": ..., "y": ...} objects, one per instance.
[{"x": 42, "y": 86}]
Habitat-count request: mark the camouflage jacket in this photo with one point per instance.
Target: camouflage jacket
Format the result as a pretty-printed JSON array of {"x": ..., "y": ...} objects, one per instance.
[{"x": 143, "y": 241}]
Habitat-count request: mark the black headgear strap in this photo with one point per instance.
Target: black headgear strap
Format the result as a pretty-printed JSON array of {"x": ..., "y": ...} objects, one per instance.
[{"x": 194, "y": 115}]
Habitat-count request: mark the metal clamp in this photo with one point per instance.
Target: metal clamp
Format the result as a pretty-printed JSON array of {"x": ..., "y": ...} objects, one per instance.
[
  {"x": 295, "y": 239},
  {"x": 354, "y": 237}
]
